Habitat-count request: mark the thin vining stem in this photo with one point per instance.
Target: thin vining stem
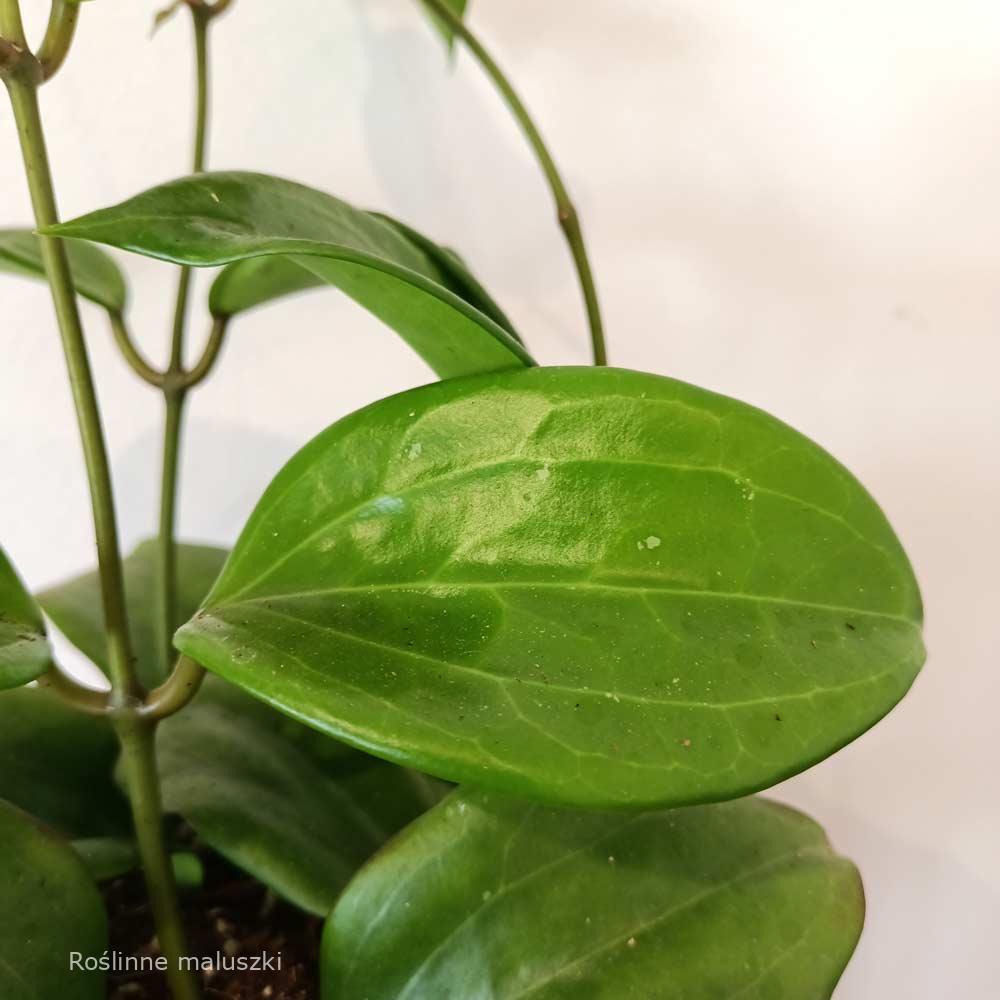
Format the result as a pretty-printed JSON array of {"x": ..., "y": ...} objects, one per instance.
[
  {"x": 134, "y": 732},
  {"x": 569, "y": 219},
  {"x": 24, "y": 100},
  {"x": 174, "y": 384}
]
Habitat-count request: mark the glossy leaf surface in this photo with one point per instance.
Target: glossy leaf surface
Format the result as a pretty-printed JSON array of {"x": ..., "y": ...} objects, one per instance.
[
  {"x": 49, "y": 907},
  {"x": 213, "y": 219},
  {"x": 24, "y": 650},
  {"x": 58, "y": 764},
  {"x": 581, "y": 585},
  {"x": 457, "y": 274},
  {"x": 491, "y": 897},
  {"x": 95, "y": 274},
  {"x": 258, "y": 280},
  {"x": 239, "y": 773},
  {"x": 75, "y": 606}
]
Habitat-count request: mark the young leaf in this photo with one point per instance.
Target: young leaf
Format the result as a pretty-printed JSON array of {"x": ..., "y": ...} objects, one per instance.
[
  {"x": 107, "y": 857},
  {"x": 252, "y": 789},
  {"x": 95, "y": 274},
  {"x": 24, "y": 650},
  {"x": 490, "y": 897},
  {"x": 58, "y": 765},
  {"x": 582, "y": 585},
  {"x": 76, "y": 609},
  {"x": 217, "y": 218},
  {"x": 256, "y": 281},
  {"x": 49, "y": 908},
  {"x": 447, "y": 32}
]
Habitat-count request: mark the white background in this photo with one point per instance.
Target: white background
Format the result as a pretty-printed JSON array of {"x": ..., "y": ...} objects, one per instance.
[{"x": 796, "y": 203}]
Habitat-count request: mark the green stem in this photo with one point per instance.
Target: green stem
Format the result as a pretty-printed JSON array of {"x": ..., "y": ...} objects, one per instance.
[
  {"x": 176, "y": 691},
  {"x": 174, "y": 389},
  {"x": 173, "y": 416},
  {"x": 131, "y": 353},
  {"x": 24, "y": 100},
  {"x": 210, "y": 354},
  {"x": 83, "y": 699},
  {"x": 569, "y": 219},
  {"x": 134, "y": 732},
  {"x": 58, "y": 36},
  {"x": 137, "y": 737}
]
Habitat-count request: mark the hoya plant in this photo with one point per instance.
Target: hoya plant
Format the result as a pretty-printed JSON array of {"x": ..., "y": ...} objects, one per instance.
[{"x": 483, "y": 696}]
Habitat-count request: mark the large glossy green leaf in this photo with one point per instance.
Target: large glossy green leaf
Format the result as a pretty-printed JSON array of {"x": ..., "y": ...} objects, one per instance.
[
  {"x": 49, "y": 907},
  {"x": 248, "y": 283},
  {"x": 214, "y": 219},
  {"x": 76, "y": 608},
  {"x": 24, "y": 650},
  {"x": 255, "y": 791},
  {"x": 95, "y": 274},
  {"x": 582, "y": 585},
  {"x": 493, "y": 898},
  {"x": 58, "y": 765}
]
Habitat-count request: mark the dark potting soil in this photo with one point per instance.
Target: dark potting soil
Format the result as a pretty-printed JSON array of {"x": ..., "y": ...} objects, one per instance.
[{"x": 231, "y": 917}]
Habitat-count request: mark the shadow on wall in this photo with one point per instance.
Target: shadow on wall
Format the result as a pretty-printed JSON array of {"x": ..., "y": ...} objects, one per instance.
[
  {"x": 235, "y": 464},
  {"x": 416, "y": 113}
]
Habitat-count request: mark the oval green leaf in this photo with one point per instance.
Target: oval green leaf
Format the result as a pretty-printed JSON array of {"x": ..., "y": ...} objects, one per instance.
[
  {"x": 581, "y": 585},
  {"x": 24, "y": 650},
  {"x": 49, "y": 908},
  {"x": 58, "y": 764},
  {"x": 491, "y": 897},
  {"x": 77, "y": 611},
  {"x": 95, "y": 275},
  {"x": 260, "y": 795},
  {"x": 218, "y": 218}
]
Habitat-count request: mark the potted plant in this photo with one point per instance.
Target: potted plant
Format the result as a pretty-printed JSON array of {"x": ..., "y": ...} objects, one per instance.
[{"x": 479, "y": 703}]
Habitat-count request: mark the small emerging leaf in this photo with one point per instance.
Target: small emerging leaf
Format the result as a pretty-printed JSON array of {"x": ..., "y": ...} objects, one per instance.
[
  {"x": 58, "y": 765},
  {"x": 164, "y": 14},
  {"x": 107, "y": 857},
  {"x": 447, "y": 32},
  {"x": 49, "y": 907},
  {"x": 580, "y": 585},
  {"x": 95, "y": 274},
  {"x": 219, "y": 218},
  {"x": 77, "y": 610},
  {"x": 24, "y": 650},
  {"x": 242, "y": 775},
  {"x": 491, "y": 897}
]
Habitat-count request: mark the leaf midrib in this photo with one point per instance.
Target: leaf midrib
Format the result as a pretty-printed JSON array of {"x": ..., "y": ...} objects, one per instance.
[
  {"x": 454, "y": 475},
  {"x": 503, "y": 681}
]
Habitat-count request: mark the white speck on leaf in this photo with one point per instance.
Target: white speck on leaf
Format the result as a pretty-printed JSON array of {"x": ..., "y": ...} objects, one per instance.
[
  {"x": 653, "y": 542},
  {"x": 415, "y": 450}
]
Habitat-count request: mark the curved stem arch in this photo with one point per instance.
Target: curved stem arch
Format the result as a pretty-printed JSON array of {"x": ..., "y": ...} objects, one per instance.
[{"x": 569, "y": 219}]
